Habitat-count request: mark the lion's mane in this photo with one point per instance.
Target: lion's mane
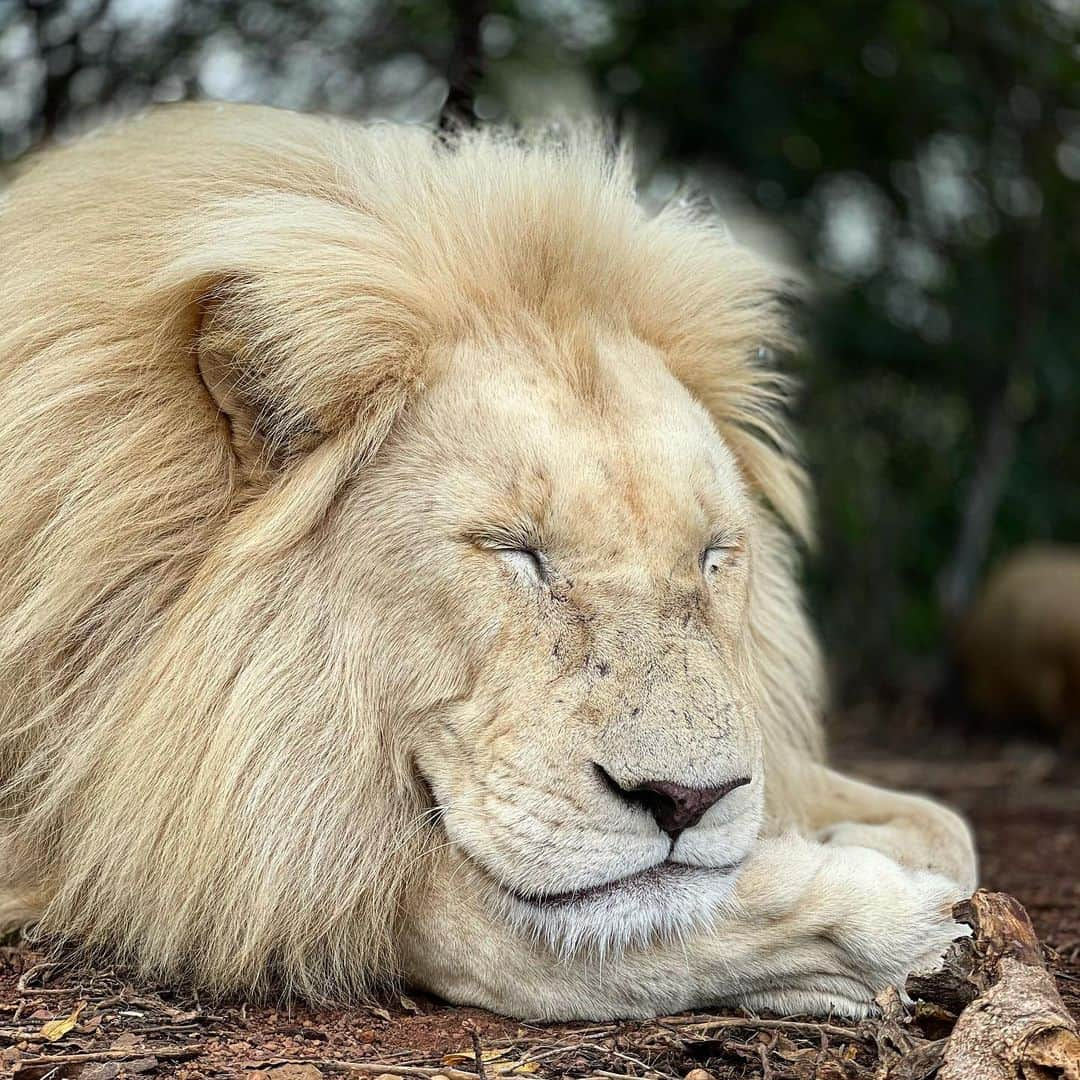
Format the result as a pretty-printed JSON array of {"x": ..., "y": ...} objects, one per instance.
[{"x": 188, "y": 777}]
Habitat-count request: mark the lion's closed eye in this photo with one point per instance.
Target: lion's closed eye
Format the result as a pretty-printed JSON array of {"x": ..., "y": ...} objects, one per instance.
[
  {"x": 723, "y": 551},
  {"x": 528, "y": 563}
]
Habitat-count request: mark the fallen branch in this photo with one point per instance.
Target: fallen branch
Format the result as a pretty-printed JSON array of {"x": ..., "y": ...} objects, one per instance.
[{"x": 1013, "y": 1023}]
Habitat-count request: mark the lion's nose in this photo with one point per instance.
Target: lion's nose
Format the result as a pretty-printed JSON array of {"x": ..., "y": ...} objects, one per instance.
[{"x": 673, "y": 806}]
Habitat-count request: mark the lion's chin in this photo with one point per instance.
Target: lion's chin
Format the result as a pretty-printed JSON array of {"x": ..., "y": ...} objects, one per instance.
[{"x": 664, "y": 901}]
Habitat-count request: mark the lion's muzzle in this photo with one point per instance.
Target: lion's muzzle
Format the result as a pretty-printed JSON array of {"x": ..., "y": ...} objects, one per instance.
[{"x": 674, "y": 807}]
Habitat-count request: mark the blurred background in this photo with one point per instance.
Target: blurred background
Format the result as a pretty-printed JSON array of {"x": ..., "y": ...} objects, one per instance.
[{"x": 919, "y": 162}]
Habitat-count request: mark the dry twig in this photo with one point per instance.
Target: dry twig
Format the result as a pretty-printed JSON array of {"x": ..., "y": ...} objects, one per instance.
[
  {"x": 478, "y": 1050},
  {"x": 804, "y": 1027},
  {"x": 173, "y": 1052},
  {"x": 372, "y": 1068}
]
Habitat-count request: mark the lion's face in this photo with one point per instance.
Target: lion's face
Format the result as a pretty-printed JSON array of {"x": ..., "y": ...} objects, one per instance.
[
  {"x": 571, "y": 555},
  {"x": 421, "y": 517}
]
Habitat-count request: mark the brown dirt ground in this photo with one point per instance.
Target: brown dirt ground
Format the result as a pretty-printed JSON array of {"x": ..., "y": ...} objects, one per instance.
[{"x": 1024, "y": 800}]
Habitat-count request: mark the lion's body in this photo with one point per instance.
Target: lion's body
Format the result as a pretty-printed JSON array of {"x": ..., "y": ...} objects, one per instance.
[
  {"x": 1020, "y": 644},
  {"x": 217, "y": 636}
]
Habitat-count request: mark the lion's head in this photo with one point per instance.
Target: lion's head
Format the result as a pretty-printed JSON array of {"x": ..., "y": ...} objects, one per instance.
[{"x": 370, "y": 498}]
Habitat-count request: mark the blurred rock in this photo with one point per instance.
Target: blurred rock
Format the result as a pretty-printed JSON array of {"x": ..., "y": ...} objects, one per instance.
[{"x": 1019, "y": 646}]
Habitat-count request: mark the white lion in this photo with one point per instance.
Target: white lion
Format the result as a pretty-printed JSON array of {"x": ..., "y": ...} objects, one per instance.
[{"x": 397, "y": 583}]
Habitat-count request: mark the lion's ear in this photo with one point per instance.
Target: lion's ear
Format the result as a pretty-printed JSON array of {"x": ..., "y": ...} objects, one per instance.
[
  {"x": 265, "y": 430},
  {"x": 308, "y": 324}
]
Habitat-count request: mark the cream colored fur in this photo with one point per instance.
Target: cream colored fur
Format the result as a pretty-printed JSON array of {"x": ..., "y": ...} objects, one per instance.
[{"x": 285, "y": 704}]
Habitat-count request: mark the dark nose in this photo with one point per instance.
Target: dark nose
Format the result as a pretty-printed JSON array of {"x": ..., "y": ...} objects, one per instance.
[{"x": 673, "y": 806}]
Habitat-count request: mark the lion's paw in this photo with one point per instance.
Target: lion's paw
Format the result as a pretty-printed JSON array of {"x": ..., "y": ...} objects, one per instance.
[{"x": 894, "y": 920}]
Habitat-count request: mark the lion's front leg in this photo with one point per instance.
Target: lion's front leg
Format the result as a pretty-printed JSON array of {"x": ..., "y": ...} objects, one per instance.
[
  {"x": 812, "y": 927},
  {"x": 916, "y": 832},
  {"x": 842, "y": 922}
]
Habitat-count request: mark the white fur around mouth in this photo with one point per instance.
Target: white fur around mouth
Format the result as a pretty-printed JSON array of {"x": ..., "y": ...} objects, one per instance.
[
  {"x": 645, "y": 883},
  {"x": 660, "y": 903}
]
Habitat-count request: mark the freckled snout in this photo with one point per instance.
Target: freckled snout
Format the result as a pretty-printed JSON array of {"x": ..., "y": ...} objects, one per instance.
[{"x": 674, "y": 807}]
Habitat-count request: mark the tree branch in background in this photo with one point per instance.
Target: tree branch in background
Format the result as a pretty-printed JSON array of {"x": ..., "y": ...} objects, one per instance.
[
  {"x": 1004, "y": 418},
  {"x": 466, "y": 65},
  {"x": 994, "y": 457},
  {"x": 1025, "y": 277}
]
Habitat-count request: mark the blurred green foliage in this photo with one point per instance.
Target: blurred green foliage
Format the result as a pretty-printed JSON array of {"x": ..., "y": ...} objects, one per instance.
[
  {"x": 919, "y": 162},
  {"x": 924, "y": 159}
]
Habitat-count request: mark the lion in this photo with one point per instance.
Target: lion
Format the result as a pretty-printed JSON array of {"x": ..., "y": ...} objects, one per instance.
[
  {"x": 400, "y": 585},
  {"x": 1019, "y": 645}
]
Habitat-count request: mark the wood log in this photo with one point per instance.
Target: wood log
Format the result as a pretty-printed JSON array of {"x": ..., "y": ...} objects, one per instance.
[{"x": 1014, "y": 1025}]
